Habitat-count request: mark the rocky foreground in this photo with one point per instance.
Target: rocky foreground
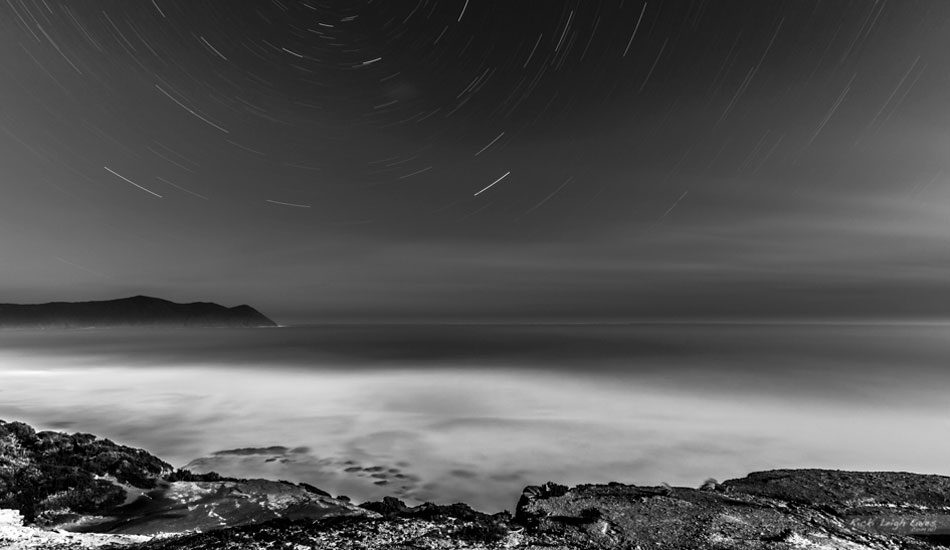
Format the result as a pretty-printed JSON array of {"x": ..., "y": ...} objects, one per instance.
[{"x": 72, "y": 491}]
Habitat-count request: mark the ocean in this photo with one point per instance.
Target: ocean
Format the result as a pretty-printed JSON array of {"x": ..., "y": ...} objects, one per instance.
[{"x": 474, "y": 413}]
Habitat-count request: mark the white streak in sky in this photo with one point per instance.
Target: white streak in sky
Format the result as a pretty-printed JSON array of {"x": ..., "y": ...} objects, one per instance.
[
  {"x": 637, "y": 27},
  {"x": 440, "y": 35},
  {"x": 530, "y": 55},
  {"x": 655, "y": 62},
  {"x": 77, "y": 266},
  {"x": 463, "y": 10},
  {"x": 482, "y": 150},
  {"x": 735, "y": 98},
  {"x": 238, "y": 145},
  {"x": 158, "y": 8},
  {"x": 170, "y": 161},
  {"x": 831, "y": 112},
  {"x": 772, "y": 41},
  {"x": 180, "y": 188},
  {"x": 288, "y": 204},
  {"x": 426, "y": 169},
  {"x": 56, "y": 46},
  {"x": 667, "y": 213},
  {"x": 492, "y": 183},
  {"x": 563, "y": 34},
  {"x": 549, "y": 197},
  {"x": 114, "y": 173},
  {"x": 387, "y": 104},
  {"x": 212, "y": 48},
  {"x": 894, "y": 93},
  {"x": 182, "y": 105}
]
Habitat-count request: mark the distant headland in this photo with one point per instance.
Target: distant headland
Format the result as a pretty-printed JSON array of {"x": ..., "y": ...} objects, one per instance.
[{"x": 137, "y": 311}]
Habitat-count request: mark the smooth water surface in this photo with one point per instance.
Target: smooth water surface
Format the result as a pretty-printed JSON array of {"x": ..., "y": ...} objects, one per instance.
[{"x": 475, "y": 412}]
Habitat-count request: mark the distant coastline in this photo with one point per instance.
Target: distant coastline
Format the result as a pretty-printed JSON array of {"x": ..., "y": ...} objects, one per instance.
[{"x": 136, "y": 311}]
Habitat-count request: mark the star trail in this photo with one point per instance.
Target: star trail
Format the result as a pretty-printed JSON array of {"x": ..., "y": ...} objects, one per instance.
[{"x": 480, "y": 159}]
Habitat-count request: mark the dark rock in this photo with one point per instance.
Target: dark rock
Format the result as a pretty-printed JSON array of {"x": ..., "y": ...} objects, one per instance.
[
  {"x": 82, "y": 483},
  {"x": 393, "y": 507},
  {"x": 846, "y": 491},
  {"x": 797, "y": 508},
  {"x": 187, "y": 475},
  {"x": 311, "y": 489},
  {"x": 138, "y": 311},
  {"x": 710, "y": 485},
  {"x": 388, "y": 507},
  {"x": 49, "y": 472},
  {"x": 532, "y": 493},
  {"x": 438, "y": 511}
]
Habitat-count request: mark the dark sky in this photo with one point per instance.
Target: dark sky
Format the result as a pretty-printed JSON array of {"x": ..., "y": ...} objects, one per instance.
[{"x": 479, "y": 159}]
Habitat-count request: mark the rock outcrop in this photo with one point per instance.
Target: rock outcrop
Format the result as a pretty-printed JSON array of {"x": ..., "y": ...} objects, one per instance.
[
  {"x": 782, "y": 509},
  {"x": 137, "y": 311},
  {"x": 83, "y": 484},
  {"x": 785, "y": 509},
  {"x": 788, "y": 509},
  {"x": 49, "y": 475},
  {"x": 15, "y": 535}
]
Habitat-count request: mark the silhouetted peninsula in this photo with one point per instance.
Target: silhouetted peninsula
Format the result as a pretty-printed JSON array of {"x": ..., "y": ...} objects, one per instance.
[{"x": 137, "y": 311}]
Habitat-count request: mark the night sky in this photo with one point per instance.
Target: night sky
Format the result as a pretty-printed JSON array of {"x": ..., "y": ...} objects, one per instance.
[{"x": 475, "y": 159}]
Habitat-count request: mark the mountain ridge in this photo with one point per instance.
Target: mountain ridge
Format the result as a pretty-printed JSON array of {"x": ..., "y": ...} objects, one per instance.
[{"x": 133, "y": 311}]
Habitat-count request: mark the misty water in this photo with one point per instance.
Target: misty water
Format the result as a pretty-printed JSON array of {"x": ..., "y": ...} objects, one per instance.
[{"x": 475, "y": 412}]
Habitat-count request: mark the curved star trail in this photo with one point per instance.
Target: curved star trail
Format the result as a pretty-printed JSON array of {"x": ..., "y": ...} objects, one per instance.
[{"x": 799, "y": 130}]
